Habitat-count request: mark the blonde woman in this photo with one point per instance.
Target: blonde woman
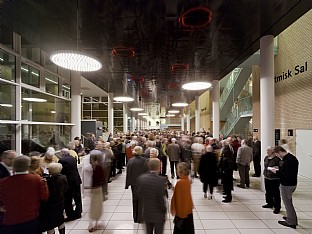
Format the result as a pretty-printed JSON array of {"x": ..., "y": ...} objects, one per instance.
[{"x": 182, "y": 203}]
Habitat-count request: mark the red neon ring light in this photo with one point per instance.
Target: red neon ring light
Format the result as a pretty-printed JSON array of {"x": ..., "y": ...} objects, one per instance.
[{"x": 183, "y": 17}]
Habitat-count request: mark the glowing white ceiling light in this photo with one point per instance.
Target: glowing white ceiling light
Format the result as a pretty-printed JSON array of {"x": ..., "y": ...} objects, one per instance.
[
  {"x": 180, "y": 104},
  {"x": 75, "y": 61},
  {"x": 35, "y": 99},
  {"x": 197, "y": 85},
  {"x": 123, "y": 99},
  {"x": 173, "y": 111},
  {"x": 143, "y": 114},
  {"x": 53, "y": 112},
  {"x": 170, "y": 115},
  {"x": 136, "y": 109},
  {"x": 6, "y": 105}
]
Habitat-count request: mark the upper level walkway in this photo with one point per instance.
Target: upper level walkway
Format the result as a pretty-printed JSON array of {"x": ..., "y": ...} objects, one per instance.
[{"x": 243, "y": 215}]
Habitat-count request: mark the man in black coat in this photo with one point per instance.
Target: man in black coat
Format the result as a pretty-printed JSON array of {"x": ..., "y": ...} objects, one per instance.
[
  {"x": 257, "y": 156},
  {"x": 6, "y": 163},
  {"x": 70, "y": 170}
]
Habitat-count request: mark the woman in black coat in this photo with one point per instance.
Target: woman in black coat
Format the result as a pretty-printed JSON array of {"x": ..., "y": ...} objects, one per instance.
[
  {"x": 51, "y": 211},
  {"x": 208, "y": 171}
]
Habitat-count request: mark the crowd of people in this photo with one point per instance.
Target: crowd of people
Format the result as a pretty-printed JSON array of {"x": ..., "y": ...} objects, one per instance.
[{"x": 53, "y": 183}]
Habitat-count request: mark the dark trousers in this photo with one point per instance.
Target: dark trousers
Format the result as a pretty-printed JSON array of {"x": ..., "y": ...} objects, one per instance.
[
  {"x": 272, "y": 193},
  {"x": 173, "y": 166},
  {"x": 113, "y": 168},
  {"x": 164, "y": 165},
  {"x": 205, "y": 187},
  {"x": 123, "y": 157},
  {"x": 244, "y": 175},
  {"x": 29, "y": 227},
  {"x": 227, "y": 179},
  {"x": 186, "y": 227},
  {"x": 257, "y": 166},
  {"x": 135, "y": 205},
  {"x": 73, "y": 192},
  {"x": 158, "y": 227}
]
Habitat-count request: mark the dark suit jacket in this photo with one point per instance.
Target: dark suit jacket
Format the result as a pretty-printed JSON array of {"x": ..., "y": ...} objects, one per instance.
[
  {"x": 208, "y": 168},
  {"x": 136, "y": 166},
  {"x": 151, "y": 192},
  {"x": 3, "y": 172},
  {"x": 257, "y": 151},
  {"x": 70, "y": 170}
]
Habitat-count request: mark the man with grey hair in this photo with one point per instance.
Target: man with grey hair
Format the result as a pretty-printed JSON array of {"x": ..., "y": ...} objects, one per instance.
[
  {"x": 151, "y": 194},
  {"x": 244, "y": 157},
  {"x": 20, "y": 196},
  {"x": 136, "y": 166},
  {"x": 174, "y": 153},
  {"x": 6, "y": 163}
]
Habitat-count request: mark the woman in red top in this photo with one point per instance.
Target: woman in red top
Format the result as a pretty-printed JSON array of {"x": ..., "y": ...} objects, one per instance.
[
  {"x": 181, "y": 202},
  {"x": 98, "y": 179}
]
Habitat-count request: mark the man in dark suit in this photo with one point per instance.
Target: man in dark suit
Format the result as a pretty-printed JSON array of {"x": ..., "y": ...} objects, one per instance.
[
  {"x": 70, "y": 170},
  {"x": 151, "y": 193},
  {"x": 136, "y": 166},
  {"x": 6, "y": 163},
  {"x": 257, "y": 156}
]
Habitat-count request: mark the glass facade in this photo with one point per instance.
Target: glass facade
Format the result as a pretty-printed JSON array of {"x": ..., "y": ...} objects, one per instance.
[
  {"x": 7, "y": 101},
  {"x": 30, "y": 75},
  {"x": 51, "y": 83},
  {"x": 7, "y": 66}
]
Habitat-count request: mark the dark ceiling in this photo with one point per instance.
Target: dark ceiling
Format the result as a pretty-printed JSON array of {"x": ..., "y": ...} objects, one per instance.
[{"x": 150, "y": 47}]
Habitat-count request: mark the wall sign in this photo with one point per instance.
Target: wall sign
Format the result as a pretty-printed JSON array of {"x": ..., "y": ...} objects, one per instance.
[
  {"x": 298, "y": 69},
  {"x": 255, "y": 130},
  {"x": 277, "y": 136},
  {"x": 290, "y": 132}
]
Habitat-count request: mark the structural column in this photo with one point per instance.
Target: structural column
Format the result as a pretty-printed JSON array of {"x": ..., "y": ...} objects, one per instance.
[
  {"x": 188, "y": 120},
  {"x": 133, "y": 124},
  {"x": 138, "y": 123},
  {"x": 110, "y": 114},
  {"x": 125, "y": 118},
  {"x": 215, "y": 109},
  {"x": 75, "y": 106},
  {"x": 266, "y": 95},
  {"x": 197, "y": 114},
  {"x": 182, "y": 122}
]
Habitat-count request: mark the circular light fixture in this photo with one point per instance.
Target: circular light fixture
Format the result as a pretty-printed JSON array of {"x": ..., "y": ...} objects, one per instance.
[
  {"x": 143, "y": 114},
  {"x": 35, "y": 99},
  {"x": 136, "y": 109},
  {"x": 123, "y": 99},
  {"x": 180, "y": 104},
  {"x": 53, "y": 112},
  {"x": 170, "y": 115},
  {"x": 75, "y": 61},
  {"x": 173, "y": 111},
  {"x": 197, "y": 85}
]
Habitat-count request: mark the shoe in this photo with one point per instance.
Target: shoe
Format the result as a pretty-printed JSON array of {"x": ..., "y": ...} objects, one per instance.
[
  {"x": 267, "y": 206},
  {"x": 92, "y": 229},
  {"x": 284, "y": 223},
  {"x": 247, "y": 186},
  {"x": 241, "y": 186},
  {"x": 205, "y": 195},
  {"x": 210, "y": 197},
  {"x": 119, "y": 172},
  {"x": 276, "y": 211},
  {"x": 254, "y": 175},
  {"x": 68, "y": 219},
  {"x": 226, "y": 200},
  {"x": 109, "y": 181},
  {"x": 284, "y": 217}
]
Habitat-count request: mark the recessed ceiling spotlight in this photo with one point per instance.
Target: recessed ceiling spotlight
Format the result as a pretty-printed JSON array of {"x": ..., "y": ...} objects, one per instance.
[
  {"x": 173, "y": 111},
  {"x": 123, "y": 99},
  {"x": 136, "y": 109},
  {"x": 170, "y": 115},
  {"x": 143, "y": 114},
  {"x": 34, "y": 99}
]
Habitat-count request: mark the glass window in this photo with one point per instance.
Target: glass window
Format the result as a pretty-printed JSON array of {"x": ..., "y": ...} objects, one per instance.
[
  {"x": 7, "y": 66},
  {"x": 7, "y": 101},
  {"x": 66, "y": 90},
  {"x": 39, "y": 137},
  {"x": 7, "y": 137},
  {"x": 40, "y": 107},
  {"x": 52, "y": 83},
  {"x": 30, "y": 75}
]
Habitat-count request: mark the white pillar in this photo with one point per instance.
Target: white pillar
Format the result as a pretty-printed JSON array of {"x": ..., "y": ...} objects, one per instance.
[
  {"x": 215, "y": 109},
  {"x": 75, "y": 106},
  {"x": 110, "y": 114},
  {"x": 125, "y": 118},
  {"x": 133, "y": 124},
  {"x": 188, "y": 120},
  {"x": 197, "y": 114},
  {"x": 138, "y": 124},
  {"x": 266, "y": 95},
  {"x": 182, "y": 122}
]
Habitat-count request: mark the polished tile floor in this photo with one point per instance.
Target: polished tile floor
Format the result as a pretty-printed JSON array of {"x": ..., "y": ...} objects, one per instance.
[{"x": 243, "y": 215}]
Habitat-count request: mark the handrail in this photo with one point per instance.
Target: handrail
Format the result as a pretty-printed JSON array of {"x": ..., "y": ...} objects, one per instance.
[
  {"x": 242, "y": 107},
  {"x": 229, "y": 86}
]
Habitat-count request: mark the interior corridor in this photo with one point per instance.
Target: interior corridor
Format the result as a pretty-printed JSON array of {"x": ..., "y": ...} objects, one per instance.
[{"x": 243, "y": 215}]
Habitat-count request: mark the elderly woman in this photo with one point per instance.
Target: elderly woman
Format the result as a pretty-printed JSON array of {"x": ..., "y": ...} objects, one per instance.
[
  {"x": 71, "y": 146},
  {"x": 272, "y": 182},
  {"x": 35, "y": 166},
  {"x": 49, "y": 157},
  {"x": 182, "y": 203},
  {"x": 51, "y": 213}
]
